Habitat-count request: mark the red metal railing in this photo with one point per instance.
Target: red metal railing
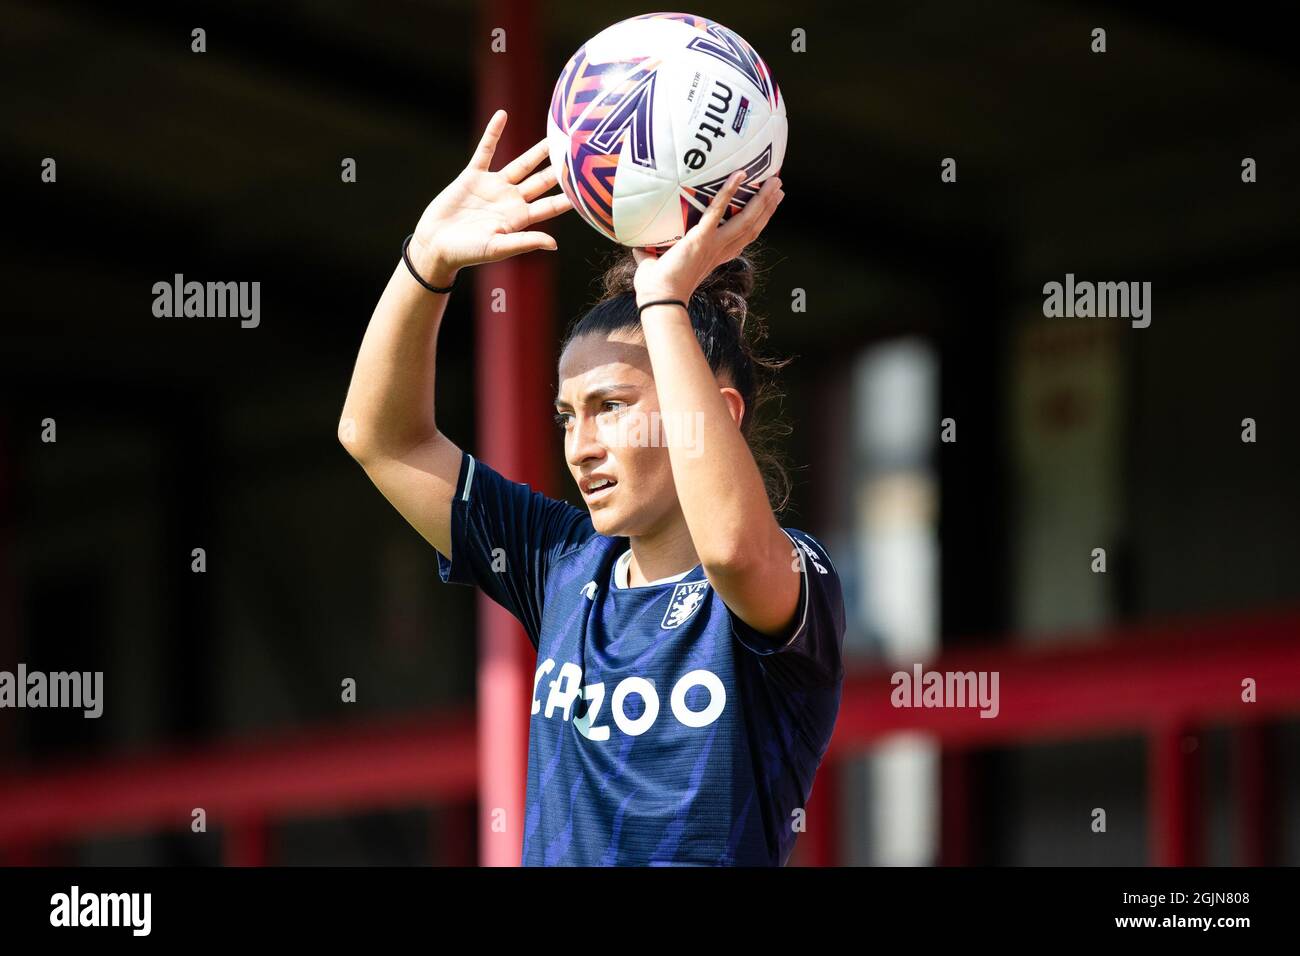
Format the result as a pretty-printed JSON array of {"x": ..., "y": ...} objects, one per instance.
[
  {"x": 242, "y": 786},
  {"x": 1164, "y": 681}
]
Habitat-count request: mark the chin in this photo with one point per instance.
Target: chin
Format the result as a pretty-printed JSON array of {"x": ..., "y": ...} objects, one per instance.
[{"x": 606, "y": 523}]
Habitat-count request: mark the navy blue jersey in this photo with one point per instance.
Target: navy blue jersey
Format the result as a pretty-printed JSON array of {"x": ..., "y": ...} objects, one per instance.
[{"x": 664, "y": 730}]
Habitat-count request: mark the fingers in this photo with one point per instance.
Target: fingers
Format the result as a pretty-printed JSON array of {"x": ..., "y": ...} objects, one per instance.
[
  {"x": 487, "y": 146},
  {"x": 525, "y": 163},
  {"x": 745, "y": 226},
  {"x": 548, "y": 207},
  {"x": 517, "y": 243},
  {"x": 713, "y": 214},
  {"x": 538, "y": 183}
]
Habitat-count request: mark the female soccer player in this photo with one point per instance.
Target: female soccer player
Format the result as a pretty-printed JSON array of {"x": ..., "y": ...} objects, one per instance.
[{"x": 688, "y": 647}]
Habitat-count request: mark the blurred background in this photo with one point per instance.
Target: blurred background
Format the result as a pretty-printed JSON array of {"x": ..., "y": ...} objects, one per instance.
[{"x": 1119, "y": 690}]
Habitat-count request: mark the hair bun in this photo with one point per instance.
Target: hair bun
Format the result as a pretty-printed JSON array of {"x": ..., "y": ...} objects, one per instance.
[{"x": 729, "y": 287}]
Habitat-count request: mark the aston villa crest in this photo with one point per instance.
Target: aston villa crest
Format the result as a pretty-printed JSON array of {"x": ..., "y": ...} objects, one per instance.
[{"x": 686, "y": 600}]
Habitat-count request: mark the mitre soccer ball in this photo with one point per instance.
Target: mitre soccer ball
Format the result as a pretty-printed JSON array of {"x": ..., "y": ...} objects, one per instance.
[{"x": 652, "y": 115}]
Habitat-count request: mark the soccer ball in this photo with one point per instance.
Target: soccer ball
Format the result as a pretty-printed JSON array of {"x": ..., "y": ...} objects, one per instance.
[{"x": 652, "y": 115}]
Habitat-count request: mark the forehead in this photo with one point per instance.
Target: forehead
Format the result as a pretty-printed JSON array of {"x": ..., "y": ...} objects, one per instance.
[{"x": 595, "y": 359}]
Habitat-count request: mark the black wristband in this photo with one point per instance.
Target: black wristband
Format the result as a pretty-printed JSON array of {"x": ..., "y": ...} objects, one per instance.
[
  {"x": 640, "y": 308},
  {"x": 419, "y": 278}
]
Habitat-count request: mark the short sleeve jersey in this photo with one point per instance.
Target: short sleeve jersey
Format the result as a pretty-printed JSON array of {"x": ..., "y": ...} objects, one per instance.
[{"x": 664, "y": 730}]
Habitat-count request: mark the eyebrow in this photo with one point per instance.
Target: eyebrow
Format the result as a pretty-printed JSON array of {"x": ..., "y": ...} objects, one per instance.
[{"x": 597, "y": 393}]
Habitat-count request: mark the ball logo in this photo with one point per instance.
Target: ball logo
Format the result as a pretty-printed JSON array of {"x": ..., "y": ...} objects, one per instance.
[
  {"x": 686, "y": 600},
  {"x": 742, "y": 114},
  {"x": 715, "y": 113}
]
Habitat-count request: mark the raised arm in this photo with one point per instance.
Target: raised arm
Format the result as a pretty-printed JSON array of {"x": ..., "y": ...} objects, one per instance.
[
  {"x": 388, "y": 423},
  {"x": 746, "y": 556}
]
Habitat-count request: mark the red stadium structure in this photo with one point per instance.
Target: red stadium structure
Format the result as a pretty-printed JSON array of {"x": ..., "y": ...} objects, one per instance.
[{"x": 1165, "y": 682}]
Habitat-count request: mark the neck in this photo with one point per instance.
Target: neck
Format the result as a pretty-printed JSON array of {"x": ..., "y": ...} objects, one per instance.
[{"x": 661, "y": 554}]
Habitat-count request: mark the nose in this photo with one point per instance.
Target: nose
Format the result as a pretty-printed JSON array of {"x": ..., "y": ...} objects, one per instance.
[{"x": 582, "y": 443}]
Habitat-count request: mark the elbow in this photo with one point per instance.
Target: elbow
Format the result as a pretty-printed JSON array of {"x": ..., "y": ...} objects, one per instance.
[
  {"x": 349, "y": 437},
  {"x": 738, "y": 555},
  {"x": 727, "y": 560},
  {"x": 369, "y": 444}
]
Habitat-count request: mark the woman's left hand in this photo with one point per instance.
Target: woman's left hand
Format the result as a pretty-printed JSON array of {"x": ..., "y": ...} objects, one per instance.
[{"x": 678, "y": 272}]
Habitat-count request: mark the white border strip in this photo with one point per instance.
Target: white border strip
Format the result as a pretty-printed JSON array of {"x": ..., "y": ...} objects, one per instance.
[{"x": 469, "y": 479}]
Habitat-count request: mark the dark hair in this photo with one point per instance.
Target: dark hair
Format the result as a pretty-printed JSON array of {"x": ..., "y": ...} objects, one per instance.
[{"x": 728, "y": 333}]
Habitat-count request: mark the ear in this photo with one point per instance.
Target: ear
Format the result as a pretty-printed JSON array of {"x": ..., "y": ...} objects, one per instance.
[{"x": 735, "y": 404}]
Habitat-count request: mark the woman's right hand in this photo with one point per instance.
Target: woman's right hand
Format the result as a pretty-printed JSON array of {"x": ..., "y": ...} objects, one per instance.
[{"x": 482, "y": 216}]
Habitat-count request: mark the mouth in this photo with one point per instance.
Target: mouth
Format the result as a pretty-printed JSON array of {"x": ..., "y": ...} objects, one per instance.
[{"x": 597, "y": 487}]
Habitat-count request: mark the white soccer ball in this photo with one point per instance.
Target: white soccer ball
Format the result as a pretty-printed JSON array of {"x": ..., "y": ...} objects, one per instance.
[{"x": 652, "y": 115}]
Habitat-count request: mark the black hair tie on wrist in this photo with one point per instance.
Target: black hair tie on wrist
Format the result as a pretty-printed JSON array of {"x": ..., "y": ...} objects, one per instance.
[
  {"x": 419, "y": 278},
  {"x": 641, "y": 308}
]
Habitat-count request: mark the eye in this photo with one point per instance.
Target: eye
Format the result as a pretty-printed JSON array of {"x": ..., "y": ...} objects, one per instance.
[
  {"x": 562, "y": 419},
  {"x": 610, "y": 405}
]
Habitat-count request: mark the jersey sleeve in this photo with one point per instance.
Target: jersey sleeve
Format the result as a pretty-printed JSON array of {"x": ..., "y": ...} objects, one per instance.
[
  {"x": 810, "y": 652},
  {"x": 505, "y": 537}
]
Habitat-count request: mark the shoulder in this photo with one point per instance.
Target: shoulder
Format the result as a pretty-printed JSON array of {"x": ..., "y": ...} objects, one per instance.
[
  {"x": 517, "y": 510},
  {"x": 587, "y": 543}
]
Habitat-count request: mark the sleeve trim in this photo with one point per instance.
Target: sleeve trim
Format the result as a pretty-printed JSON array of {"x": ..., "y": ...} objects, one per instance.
[
  {"x": 469, "y": 478},
  {"x": 805, "y": 598}
]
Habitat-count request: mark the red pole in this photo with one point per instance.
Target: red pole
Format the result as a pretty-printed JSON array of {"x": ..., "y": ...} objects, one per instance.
[
  {"x": 247, "y": 842},
  {"x": 1174, "y": 796},
  {"x": 956, "y": 791},
  {"x": 1257, "y": 830},
  {"x": 514, "y": 371}
]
